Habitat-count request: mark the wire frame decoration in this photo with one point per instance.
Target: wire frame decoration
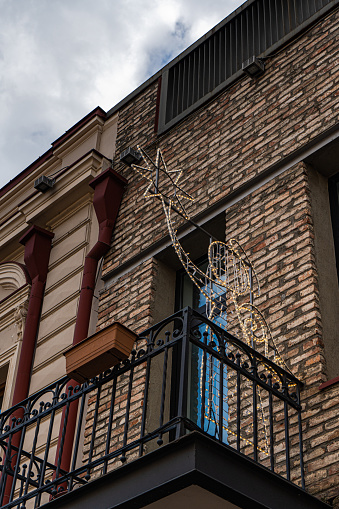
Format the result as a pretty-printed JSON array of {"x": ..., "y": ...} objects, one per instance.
[
  {"x": 230, "y": 272},
  {"x": 230, "y": 277}
]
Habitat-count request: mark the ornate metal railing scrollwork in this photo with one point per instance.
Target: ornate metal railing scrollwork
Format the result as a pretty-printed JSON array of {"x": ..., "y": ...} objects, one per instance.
[{"x": 185, "y": 373}]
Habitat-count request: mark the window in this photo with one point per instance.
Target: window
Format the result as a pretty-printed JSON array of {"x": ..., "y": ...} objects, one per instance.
[
  {"x": 188, "y": 294},
  {"x": 206, "y": 382}
]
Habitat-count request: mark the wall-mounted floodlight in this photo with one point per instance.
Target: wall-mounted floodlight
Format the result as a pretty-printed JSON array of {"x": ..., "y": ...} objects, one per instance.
[
  {"x": 253, "y": 67},
  {"x": 44, "y": 183},
  {"x": 130, "y": 156}
]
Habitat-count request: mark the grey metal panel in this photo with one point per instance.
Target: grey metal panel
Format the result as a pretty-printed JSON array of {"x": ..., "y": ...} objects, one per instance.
[{"x": 257, "y": 29}]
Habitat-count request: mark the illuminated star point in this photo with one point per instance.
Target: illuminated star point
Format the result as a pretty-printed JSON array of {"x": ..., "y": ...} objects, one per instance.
[{"x": 152, "y": 171}]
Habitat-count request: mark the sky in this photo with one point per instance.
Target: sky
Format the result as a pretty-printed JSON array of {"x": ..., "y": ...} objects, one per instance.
[{"x": 59, "y": 59}]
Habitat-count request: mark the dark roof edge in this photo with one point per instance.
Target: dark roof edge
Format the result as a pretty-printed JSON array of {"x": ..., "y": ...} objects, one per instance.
[
  {"x": 159, "y": 73},
  {"x": 135, "y": 92},
  {"x": 190, "y": 48},
  {"x": 49, "y": 153},
  {"x": 96, "y": 112}
]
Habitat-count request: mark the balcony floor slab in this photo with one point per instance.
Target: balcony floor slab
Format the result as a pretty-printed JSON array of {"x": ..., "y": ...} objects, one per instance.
[{"x": 193, "y": 469}]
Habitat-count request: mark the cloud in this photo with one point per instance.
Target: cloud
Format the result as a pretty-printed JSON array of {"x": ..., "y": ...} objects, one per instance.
[{"x": 61, "y": 59}]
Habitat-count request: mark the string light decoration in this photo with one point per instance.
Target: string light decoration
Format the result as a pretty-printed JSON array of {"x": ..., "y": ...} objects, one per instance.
[
  {"x": 214, "y": 406},
  {"x": 152, "y": 173},
  {"x": 229, "y": 275},
  {"x": 229, "y": 267}
]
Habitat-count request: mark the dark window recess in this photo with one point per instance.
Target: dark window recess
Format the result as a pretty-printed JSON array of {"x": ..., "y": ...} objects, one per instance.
[
  {"x": 3, "y": 377},
  {"x": 187, "y": 293},
  {"x": 2, "y": 392},
  {"x": 216, "y": 60},
  {"x": 333, "y": 190}
]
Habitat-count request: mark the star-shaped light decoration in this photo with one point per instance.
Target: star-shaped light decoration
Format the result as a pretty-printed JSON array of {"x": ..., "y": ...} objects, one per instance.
[{"x": 152, "y": 172}]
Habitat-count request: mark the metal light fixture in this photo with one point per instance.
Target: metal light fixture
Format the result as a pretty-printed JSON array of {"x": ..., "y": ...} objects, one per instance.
[
  {"x": 253, "y": 67},
  {"x": 44, "y": 183},
  {"x": 130, "y": 156}
]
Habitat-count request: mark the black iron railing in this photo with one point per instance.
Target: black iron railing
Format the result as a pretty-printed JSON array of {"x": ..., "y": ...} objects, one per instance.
[{"x": 185, "y": 374}]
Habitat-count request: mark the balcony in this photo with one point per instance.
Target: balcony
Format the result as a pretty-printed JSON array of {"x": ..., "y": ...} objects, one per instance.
[{"x": 193, "y": 415}]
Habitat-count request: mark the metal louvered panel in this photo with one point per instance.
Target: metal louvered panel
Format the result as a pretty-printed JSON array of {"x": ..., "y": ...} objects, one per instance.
[{"x": 212, "y": 63}]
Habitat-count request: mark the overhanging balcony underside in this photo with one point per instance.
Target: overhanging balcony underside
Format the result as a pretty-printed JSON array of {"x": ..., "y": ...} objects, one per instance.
[
  {"x": 191, "y": 470},
  {"x": 186, "y": 376}
]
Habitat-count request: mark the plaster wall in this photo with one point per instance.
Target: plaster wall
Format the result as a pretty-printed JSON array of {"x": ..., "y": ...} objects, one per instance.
[
  {"x": 67, "y": 211},
  {"x": 75, "y": 231}
]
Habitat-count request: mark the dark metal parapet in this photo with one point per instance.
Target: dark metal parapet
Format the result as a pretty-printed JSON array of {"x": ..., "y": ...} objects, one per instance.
[{"x": 258, "y": 28}]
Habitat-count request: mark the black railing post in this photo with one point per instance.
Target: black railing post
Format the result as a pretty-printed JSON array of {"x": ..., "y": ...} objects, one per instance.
[
  {"x": 6, "y": 466},
  {"x": 255, "y": 409},
  {"x": 203, "y": 383},
  {"x": 183, "y": 374},
  {"x": 301, "y": 454},
  {"x": 287, "y": 434},
  {"x": 145, "y": 399},
  {"x": 16, "y": 461},
  {"x": 128, "y": 408},
  {"x": 77, "y": 438},
  {"x": 63, "y": 434},
  {"x": 270, "y": 408},
  {"x": 221, "y": 400},
  {"x": 93, "y": 434},
  {"x": 48, "y": 442},
  {"x": 163, "y": 389},
  {"x": 238, "y": 357},
  {"x": 34, "y": 445},
  {"x": 110, "y": 422}
]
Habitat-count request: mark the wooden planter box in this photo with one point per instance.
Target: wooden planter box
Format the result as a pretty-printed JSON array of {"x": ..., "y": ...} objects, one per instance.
[{"x": 99, "y": 352}]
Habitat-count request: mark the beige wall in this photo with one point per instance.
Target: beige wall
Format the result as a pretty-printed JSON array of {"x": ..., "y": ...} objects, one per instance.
[
  {"x": 67, "y": 211},
  {"x": 74, "y": 232}
]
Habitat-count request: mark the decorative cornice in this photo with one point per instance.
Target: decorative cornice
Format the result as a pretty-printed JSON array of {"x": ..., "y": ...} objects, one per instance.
[
  {"x": 13, "y": 275},
  {"x": 70, "y": 187},
  {"x": 97, "y": 112}
]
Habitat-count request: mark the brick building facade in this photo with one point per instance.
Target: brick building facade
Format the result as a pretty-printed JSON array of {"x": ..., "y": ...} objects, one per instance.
[
  {"x": 243, "y": 153},
  {"x": 258, "y": 157}
]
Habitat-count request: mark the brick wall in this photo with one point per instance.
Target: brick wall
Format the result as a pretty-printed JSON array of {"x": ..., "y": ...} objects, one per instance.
[
  {"x": 236, "y": 137},
  {"x": 221, "y": 147},
  {"x": 274, "y": 225},
  {"x": 133, "y": 301},
  {"x": 130, "y": 299}
]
